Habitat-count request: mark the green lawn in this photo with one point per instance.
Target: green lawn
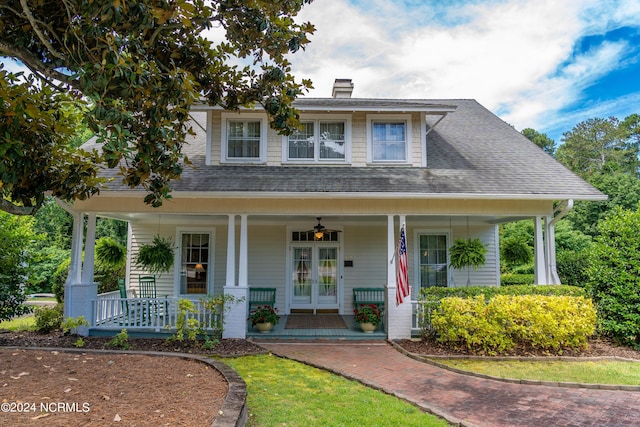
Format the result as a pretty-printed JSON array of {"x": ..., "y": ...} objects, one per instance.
[
  {"x": 26, "y": 323},
  {"x": 594, "y": 372},
  {"x": 283, "y": 392}
]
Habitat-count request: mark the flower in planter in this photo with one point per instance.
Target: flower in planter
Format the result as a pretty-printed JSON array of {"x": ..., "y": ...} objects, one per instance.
[
  {"x": 264, "y": 314},
  {"x": 369, "y": 313}
]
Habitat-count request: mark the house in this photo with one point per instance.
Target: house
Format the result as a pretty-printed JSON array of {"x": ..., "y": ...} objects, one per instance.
[{"x": 245, "y": 215}]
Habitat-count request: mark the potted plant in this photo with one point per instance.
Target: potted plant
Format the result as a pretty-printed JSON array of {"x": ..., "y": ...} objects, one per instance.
[
  {"x": 156, "y": 257},
  {"x": 467, "y": 253},
  {"x": 264, "y": 317},
  {"x": 368, "y": 316}
]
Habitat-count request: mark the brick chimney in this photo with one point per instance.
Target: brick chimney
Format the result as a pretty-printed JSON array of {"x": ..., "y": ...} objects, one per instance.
[{"x": 342, "y": 88}]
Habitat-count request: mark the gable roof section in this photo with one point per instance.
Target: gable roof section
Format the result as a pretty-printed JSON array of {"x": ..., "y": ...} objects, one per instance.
[{"x": 471, "y": 153}]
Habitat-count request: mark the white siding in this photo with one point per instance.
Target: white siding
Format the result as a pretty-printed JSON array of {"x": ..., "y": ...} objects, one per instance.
[
  {"x": 143, "y": 234},
  {"x": 358, "y": 140},
  {"x": 267, "y": 260},
  {"x": 367, "y": 247},
  {"x": 483, "y": 276}
]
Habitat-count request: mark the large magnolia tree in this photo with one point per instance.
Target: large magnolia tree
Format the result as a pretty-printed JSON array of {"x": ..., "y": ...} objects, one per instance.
[{"x": 131, "y": 70}]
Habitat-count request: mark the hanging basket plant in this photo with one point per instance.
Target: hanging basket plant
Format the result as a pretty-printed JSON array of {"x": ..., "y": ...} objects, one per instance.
[
  {"x": 156, "y": 257},
  {"x": 467, "y": 253}
]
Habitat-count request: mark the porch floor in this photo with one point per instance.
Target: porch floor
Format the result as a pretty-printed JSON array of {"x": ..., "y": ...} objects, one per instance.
[{"x": 352, "y": 332}]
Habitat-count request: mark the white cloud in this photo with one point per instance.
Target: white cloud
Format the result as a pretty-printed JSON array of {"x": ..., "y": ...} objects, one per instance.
[{"x": 516, "y": 57}]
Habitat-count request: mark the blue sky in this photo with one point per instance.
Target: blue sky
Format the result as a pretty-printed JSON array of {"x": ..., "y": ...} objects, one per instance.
[{"x": 544, "y": 64}]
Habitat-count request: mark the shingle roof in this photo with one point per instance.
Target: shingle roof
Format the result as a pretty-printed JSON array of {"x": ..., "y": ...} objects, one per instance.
[{"x": 471, "y": 152}]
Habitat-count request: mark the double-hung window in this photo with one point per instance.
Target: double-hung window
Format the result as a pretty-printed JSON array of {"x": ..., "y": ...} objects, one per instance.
[
  {"x": 325, "y": 140},
  {"x": 388, "y": 138},
  {"x": 244, "y": 138},
  {"x": 433, "y": 260}
]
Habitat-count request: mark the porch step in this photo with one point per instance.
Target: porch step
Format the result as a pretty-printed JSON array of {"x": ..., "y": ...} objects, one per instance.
[{"x": 351, "y": 333}]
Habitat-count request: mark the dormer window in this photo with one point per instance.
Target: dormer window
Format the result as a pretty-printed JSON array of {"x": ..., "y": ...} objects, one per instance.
[
  {"x": 244, "y": 138},
  {"x": 388, "y": 138},
  {"x": 319, "y": 141}
]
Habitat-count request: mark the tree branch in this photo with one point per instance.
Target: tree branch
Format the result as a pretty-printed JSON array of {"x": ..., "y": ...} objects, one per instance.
[
  {"x": 37, "y": 30},
  {"x": 35, "y": 64},
  {"x": 16, "y": 210}
]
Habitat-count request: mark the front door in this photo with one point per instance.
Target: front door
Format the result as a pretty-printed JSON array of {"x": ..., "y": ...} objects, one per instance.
[{"x": 315, "y": 276}]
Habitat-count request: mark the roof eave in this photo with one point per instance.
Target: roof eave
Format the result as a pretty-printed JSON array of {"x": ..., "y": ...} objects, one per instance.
[
  {"x": 363, "y": 195},
  {"x": 347, "y": 105}
]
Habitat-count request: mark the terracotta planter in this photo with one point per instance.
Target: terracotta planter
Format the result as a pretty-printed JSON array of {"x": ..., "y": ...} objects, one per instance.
[
  {"x": 368, "y": 328},
  {"x": 264, "y": 328}
]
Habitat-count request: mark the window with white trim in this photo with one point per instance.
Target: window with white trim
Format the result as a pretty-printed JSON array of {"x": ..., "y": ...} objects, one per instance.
[
  {"x": 389, "y": 138},
  {"x": 433, "y": 260},
  {"x": 319, "y": 140},
  {"x": 244, "y": 138}
]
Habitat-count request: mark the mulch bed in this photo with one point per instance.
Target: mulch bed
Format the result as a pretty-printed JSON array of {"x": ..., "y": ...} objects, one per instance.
[
  {"x": 225, "y": 348},
  {"x": 58, "y": 388},
  {"x": 597, "y": 348}
]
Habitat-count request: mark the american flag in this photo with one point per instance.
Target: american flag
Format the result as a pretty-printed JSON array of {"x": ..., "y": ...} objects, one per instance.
[{"x": 402, "y": 277}]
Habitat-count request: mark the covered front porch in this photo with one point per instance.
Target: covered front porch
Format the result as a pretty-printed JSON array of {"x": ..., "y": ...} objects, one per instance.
[
  {"x": 162, "y": 316},
  {"x": 230, "y": 254}
]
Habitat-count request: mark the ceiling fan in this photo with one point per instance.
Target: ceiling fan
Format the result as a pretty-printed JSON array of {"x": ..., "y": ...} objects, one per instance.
[{"x": 320, "y": 230}]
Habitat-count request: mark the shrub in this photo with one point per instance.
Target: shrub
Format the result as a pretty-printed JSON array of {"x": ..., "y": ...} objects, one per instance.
[
  {"x": 120, "y": 341},
  {"x": 59, "y": 279},
  {"x": 572, "y": 267},
  {"x": 71, "y": 323},
  {"x": 524, "y": 269},
  {"x": 185, "y": 324},
  {"x": 15, "y": 236},
  {"x": 496, "y": 326},
  {"x": 436, "y": 293},
  {"x": 106, "y": 274},
  {"x": 614, "y": 275},
  {"x": 510, "y": 279},
  {"x": 464, "y": 321},
  {"x": 48, "y": 319},
  {"x": 42, "y": 269}
]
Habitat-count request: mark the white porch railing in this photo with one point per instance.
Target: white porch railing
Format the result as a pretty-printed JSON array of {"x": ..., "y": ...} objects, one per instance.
[
  {"x": 421, "y": 316},
  {"x": 157, "y": 314}
]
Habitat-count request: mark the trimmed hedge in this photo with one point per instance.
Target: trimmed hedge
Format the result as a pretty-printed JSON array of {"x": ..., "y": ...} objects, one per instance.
[
  {"x": 506, "y": 321},
  {"x": 510, "y": 279},
  {"x": 436, "y": 293}
]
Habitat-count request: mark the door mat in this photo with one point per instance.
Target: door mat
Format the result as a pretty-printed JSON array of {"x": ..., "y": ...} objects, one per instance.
[{"x": 318, "y": 321}]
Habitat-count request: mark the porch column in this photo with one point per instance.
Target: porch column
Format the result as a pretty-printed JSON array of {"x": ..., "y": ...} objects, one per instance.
[
  {"x": 79, "y": 299},
  {"x": 391, "y": 271},
  {"x": 243, "y": 267},
  {"x": 398, "y": 317},
  {"x": 75, "y": 267},
  {"x": 235, "y": 321},
  {"x": 550, "y": 251},
  {"x": 231, "y": 251},
  {"x": 88, "y": 266},
  {"x": 540, "y": 269}
]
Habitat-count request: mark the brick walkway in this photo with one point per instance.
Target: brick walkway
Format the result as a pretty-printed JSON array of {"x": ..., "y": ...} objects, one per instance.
[{"x": 463, "y": 399}]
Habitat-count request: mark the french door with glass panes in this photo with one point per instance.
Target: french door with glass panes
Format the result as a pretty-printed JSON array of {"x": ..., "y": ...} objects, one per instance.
[{"x": 315, "y": 276}]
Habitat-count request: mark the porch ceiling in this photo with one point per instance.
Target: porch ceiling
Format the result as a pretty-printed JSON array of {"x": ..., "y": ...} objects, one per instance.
[{"x": 311, "y": 220}]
